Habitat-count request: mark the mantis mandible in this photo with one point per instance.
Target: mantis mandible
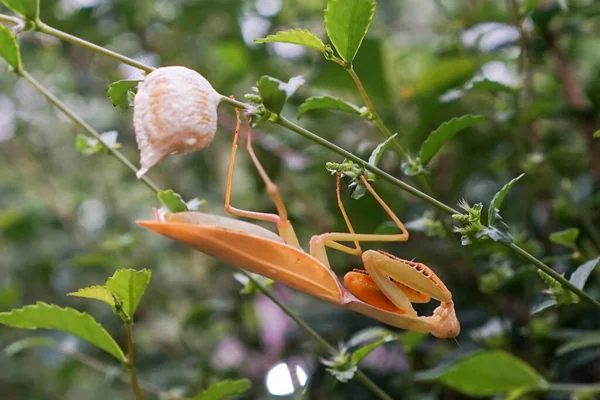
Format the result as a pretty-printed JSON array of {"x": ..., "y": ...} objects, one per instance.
[{"x": 384, "y": 290}]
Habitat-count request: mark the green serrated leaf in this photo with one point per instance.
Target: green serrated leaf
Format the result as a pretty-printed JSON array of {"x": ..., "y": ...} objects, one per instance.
[
  {"x": 121, "y": 92},
  {"x": 379, "y": 150},
  {"x": 172, "y": 200},
  {"x": 327, "y": 103},
  {"x": 96, "y": 292},
  {"x": 488, "y": 373},
  {"x": 302, "y": 37},
  {"x": 128, "y": 286},
  {"x": 50, "y": 316},
  {"x": 221, "y": 390},
  {"x": 347, "y": 23},
  {"x": 499, "y": 198},
  {"x": 9, "y": 48},
  {"x": 581, "y": 342},
  {"x": 445, "y": 132},
  {"x": 30, "y": 9},
  {"x": 28, "y": 343},
  {"x": 566, "y": 237}
]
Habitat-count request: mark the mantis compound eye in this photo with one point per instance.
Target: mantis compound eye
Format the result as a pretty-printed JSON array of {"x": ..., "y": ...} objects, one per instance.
[{"x": 175, "y": 111}]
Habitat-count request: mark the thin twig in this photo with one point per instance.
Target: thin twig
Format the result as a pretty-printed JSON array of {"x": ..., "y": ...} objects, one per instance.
[
  {"x": 130, "y": 364},
  {"x": 374, "y": 116},
  {"x": 75, "y": 118},
  {"x": 42, "y": 27},
  {"x": 10, "y": 20}
]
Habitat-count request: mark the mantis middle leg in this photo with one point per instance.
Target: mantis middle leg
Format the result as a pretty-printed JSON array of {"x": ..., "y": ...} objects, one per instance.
[{"x": 284, "y": 226}]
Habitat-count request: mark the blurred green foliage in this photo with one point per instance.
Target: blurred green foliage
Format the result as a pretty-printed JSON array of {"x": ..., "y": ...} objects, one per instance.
[{"x": 531, "y": 68}]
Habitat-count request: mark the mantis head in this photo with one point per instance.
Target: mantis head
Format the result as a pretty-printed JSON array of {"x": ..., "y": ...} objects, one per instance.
[{"x": 392, "y": 284}]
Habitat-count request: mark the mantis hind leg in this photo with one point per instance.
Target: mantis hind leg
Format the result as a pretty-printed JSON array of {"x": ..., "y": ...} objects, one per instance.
[
  {"x": 284, "y": 226},
  {"x": 331, "y": 240}
]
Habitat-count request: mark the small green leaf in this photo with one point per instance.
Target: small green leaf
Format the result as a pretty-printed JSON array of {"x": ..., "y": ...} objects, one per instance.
[
  {"x": 28, "y": 343},
  {"x": 580, "y": 276},
  {"x": 364, "y": 351},
  {"x": 301, "y": 37},
  {"x": 379, "y": 150},
  {"x": 121, "y": 92},
  {"x": 88, "y": 145},
  {"x": 445, "y": 132},
  {"x": 566, "y": 237},
  {"x": 411, "y": 339},
  {"x": 49, "y": 316},
  {"x": 597, "y": 134},
  {"x": 497, "y": 230},
  {"x": 172, "y": 200},
  {"x": 29, "y": 9},
  {"x": 560, "y": 295},
  {"x": 347, "y": 23},
  {"x": 328, "y": 103},
  {"x": 129, "y": 286},
  {"x": 490, "y": 86},
  {"x": 9, "y": 48},
  {"x": 499, "y": 198},
  {"x": 489, "y": 373},
  {"x": 223, "y": 389},
  {"x": 96, "y": 292},
  {"x": 368, "y": 335},
  {"x": 274, "y": 92},
  {"x": 581, "y": 342},
  {"x": 368, "y": 340},
  {"x": 443, "y": 74},
  {"x": 249, "y": 287}
]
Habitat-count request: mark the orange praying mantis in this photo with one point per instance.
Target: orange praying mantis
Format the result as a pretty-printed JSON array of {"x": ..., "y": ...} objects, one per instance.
[{"x": 384, "y": 290}]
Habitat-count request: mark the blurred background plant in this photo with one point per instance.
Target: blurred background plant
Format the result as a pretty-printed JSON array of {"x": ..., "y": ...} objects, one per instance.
[{"x": 67, "y": 218}]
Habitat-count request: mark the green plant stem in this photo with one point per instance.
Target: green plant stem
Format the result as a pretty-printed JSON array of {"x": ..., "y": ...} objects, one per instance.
[
  {"x": 130, "y": 365},
  {"x": 573, "y": 387},
  {"x": 540, "y": 265},
  {"x": 374, "y": 116},
  {"x": 417, "y": 193},
  {"x": 10, "y": 20},
  {"x": 380, "y": 173},
  {"x": 75, "y": 118},
  {"x": 365, "y": 380},
  {"x": 42, "y": 27}
]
